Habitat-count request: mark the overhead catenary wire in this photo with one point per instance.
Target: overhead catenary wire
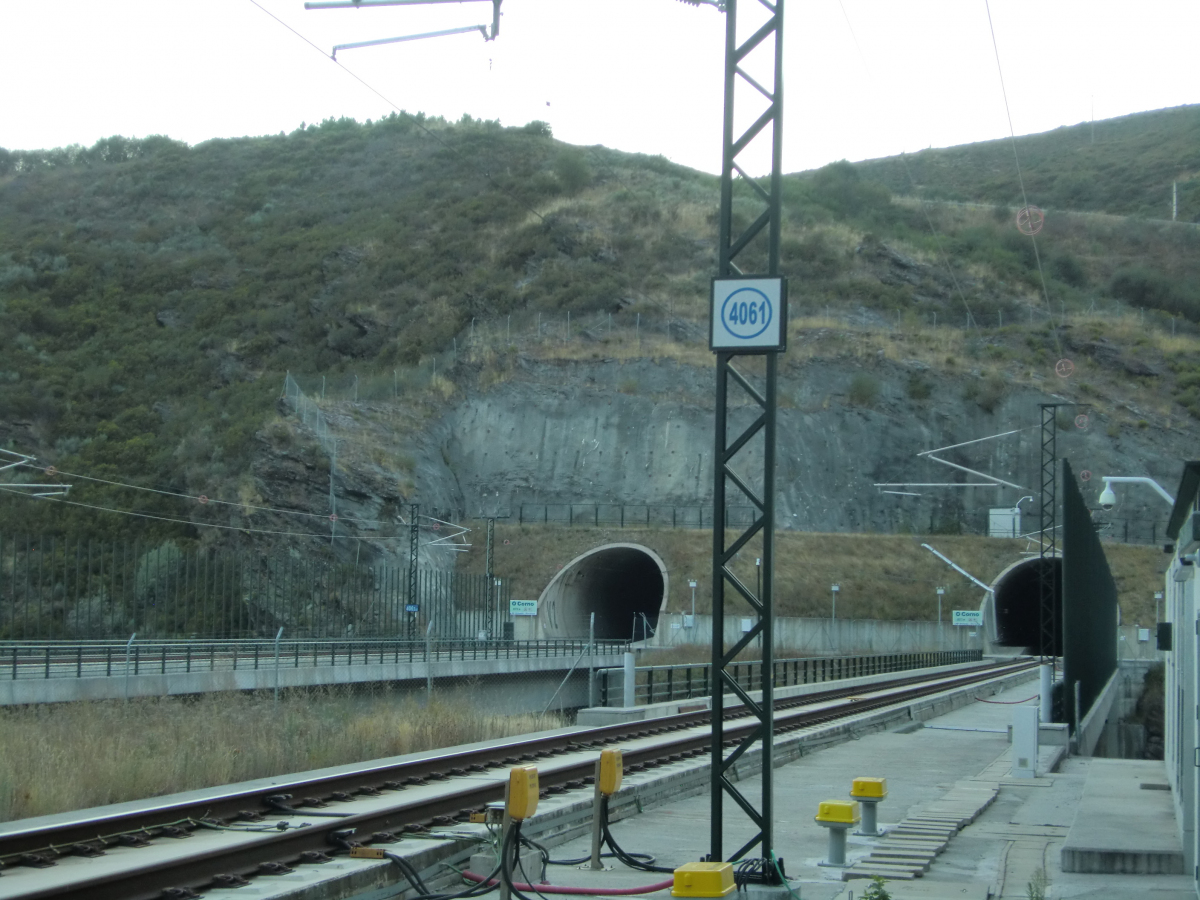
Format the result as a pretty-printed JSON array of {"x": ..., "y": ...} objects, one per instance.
[
  {"x": 178, "y": 521},
  {"x": 378, "y": 93},
  {"x": 937, "y": 239},
  {"x": 1017, "y": 159},
  {"x": 444, "y": 540},
  {"x": 199, "y": 498}
]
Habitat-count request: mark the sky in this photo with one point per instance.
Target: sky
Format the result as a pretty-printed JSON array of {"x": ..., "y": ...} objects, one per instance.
[{"x": 863, "y": 78}]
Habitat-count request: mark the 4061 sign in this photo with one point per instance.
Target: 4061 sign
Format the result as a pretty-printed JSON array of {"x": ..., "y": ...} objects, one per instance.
[{"x": 748, "y": 315}]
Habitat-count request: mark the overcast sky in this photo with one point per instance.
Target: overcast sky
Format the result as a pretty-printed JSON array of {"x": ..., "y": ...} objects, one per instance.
[{"x": 637, "y": 75}]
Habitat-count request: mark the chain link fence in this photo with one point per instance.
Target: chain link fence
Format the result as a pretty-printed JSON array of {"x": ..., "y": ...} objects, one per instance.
[{"x": 51, "y": 588}]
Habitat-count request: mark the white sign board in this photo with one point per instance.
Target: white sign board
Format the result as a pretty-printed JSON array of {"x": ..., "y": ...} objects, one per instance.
[
  {"x": 968, "y": 617},
  {"x": 748, "y": 315},
  {"x": 522, "y": 607}
]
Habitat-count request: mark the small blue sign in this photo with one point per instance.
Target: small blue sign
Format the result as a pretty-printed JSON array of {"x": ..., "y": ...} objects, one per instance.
[
  {"x": 749, "y": 314},
  {"x": 412, "y": 607}
]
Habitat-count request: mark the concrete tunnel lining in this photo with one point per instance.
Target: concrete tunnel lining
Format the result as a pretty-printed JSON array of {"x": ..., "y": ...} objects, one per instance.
[
  {"x": 1017, "y": 605},
  {"x": 617, "y": 582}
]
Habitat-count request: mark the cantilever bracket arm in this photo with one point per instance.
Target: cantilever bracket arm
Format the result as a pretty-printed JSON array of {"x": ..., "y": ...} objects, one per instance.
[{"x": 1138, "y": 479}]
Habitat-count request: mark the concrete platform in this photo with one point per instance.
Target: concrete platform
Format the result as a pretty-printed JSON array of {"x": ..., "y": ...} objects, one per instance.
[
  {"x": 1125, "y": 821},
  {"x": 994, "y": 849}
]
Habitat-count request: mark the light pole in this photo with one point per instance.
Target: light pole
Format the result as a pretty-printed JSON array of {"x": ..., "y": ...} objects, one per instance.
[
  {"x": 1158, "y": 595},
  {"x": 941, "y": 643},
  {"x": 833, "y": 589},
  {"x": 758, "y": 577},
  {"x": 692, "y": 585}
]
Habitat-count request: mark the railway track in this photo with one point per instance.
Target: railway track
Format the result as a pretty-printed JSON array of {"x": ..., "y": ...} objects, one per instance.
[{"x": 228, "y": 838}]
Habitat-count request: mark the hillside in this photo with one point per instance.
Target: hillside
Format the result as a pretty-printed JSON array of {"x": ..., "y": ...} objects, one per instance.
[
  {"x": 427, "y": 283},
  {"x": 1122, "y": 166}
]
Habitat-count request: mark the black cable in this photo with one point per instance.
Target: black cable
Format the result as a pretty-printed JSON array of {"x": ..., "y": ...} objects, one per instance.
[
  {"x": 628, "y": 859},
  {"x": 542, "y": 851},
  {"x": 528, "y": 880},
  {"x": 278, "y": 803},
  {"x": 410, "y": 873},
  {"x": 510, "y": 850}
]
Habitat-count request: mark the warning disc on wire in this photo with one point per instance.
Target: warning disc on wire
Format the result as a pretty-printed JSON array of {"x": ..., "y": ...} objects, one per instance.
[{"x": 1030, "y": 220}]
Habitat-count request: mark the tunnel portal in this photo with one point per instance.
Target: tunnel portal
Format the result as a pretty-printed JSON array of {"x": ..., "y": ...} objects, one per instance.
[
  {"x": 618, "y": 582},
  {"x": 1018, "y": 603}
]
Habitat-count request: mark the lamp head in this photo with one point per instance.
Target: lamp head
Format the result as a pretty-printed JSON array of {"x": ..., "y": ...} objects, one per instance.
[{"x": 1107, "y": 498}]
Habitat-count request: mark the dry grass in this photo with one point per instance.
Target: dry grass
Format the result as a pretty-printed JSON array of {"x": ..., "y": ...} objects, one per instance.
[
  {"x": 61, "y": 757},
  {"x": 881, "y": 576}
]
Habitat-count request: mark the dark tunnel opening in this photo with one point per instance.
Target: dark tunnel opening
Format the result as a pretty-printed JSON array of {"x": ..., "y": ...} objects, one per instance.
[
  {"x": 1018, "y": 601},
  {"x": 620, "y": 584}
]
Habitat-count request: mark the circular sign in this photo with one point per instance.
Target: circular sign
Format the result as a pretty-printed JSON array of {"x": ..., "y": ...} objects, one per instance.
[
  {"x": 747, "y": 313},
  {"x": 1030, "y": 220},
  {"x": 333, "y": 517},
  {"x": 1081, "y": 421},
  {"x": 203, "y": 498},
  {"x": 50, "y": 470},
  {"x": 437, "y": 526},
  {"x": 1085, "y": 475},
  {"x": 1063, "y": 368},
  {"x": 506, "y": 542}
]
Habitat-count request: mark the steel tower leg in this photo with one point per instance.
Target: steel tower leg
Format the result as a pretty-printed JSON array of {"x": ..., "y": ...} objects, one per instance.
[{"x": 729, "y": 448}]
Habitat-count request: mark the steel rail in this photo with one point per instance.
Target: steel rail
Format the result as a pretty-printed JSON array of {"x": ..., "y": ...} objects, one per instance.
[
  {"x": 435, "y": 766},
  {"x": 415, "y": 813}
]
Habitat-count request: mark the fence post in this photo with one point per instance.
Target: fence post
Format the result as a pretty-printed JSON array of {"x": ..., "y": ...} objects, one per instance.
[
  {"x": 128, "y": 645},
  {"x": 629, "y": 682},
  {"x": 592, "y": 660},
  {"x": 428, "y": 663},
  {"x": 278, "y": 635}
]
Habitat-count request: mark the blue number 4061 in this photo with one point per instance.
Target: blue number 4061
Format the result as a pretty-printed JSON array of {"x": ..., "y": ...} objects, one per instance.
[{"x": 744, "y": 313}]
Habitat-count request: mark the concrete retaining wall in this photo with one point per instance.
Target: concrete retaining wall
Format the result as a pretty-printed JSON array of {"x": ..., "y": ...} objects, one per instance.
[
  {"x": 486, "y": 683},
  {"x": 818, "y": 636}
]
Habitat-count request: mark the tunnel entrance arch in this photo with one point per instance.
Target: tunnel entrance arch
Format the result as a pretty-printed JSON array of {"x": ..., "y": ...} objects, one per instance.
[
  {"x": 1017, "y": 603},
  {"x": 618, "y": 582}
]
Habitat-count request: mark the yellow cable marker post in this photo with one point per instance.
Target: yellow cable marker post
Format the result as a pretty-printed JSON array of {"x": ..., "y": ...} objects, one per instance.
[
  {"x": 703, "y": 879},
  {"x": 522, "y": 792},
  {"x": 870, "y": 792},
  {"x": 837, "y": 816},
  {"x": 612, "y": 768}
]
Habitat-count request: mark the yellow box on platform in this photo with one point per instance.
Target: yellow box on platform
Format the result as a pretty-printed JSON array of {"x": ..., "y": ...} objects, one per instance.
[
  {"x": 839, "y": 812},
  {"x": 612, "y": 767},
  {"x": 703, "y": 879},
  {"x": 869, "y": 788},
  {"x": 522, "y": 791}
]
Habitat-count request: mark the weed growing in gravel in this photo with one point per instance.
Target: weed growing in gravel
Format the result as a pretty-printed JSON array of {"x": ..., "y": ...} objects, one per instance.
[{"x": 60, "y": 757}]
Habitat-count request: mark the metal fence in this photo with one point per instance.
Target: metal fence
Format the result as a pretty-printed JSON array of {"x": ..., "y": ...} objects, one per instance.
[
  {"x": 51, "y": 588},
  {"x": 1122, "y": 529},
  {"x": 95, "y": 659},
  {"x": 659, "y": 684},
  {"x": 629, "y": 515}
]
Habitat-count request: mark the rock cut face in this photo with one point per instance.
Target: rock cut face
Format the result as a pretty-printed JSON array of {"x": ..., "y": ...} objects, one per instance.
[{"x": 620, "y": 583}]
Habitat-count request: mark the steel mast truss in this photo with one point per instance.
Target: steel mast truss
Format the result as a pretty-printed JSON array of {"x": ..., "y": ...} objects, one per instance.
[{"x": 768, "y": 126}]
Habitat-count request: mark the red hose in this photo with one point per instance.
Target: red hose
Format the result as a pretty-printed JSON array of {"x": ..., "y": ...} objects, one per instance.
[{"x": 587, "y": 892}]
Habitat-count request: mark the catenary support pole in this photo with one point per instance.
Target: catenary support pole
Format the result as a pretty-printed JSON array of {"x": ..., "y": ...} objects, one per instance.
[{"x": 748, "y": 320}]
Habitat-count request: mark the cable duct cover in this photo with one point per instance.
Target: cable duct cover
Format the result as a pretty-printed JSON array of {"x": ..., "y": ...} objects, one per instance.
[{"x": 618, "y": 582}]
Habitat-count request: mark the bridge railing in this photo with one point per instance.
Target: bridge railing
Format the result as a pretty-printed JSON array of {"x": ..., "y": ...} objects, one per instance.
[
  {"x": 96, "y": 659},
  {"x": 660, "y": 684}
]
